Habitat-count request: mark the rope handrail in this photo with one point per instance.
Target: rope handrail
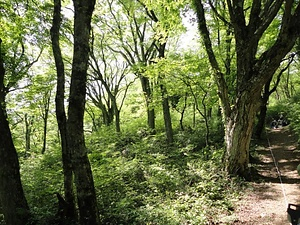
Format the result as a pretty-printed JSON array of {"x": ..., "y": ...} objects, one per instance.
[{"x": 277, "y": 170}]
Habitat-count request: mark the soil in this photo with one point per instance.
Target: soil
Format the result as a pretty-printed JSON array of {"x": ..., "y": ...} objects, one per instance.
[{"x": 265, "y": 200}]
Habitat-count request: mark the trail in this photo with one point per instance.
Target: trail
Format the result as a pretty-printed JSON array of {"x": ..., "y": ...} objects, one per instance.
[{"x": 263, "y": 202}]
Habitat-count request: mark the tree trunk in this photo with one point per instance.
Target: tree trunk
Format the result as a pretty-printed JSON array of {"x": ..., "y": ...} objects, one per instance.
[
  {"x": 45, "y": 119},
  {"x": 261, "y": 120},
  {"x": 263, "y": 108},
  {"x": 167, "y": 114},
  {"x": 12, "y": 198},
  {"x": 70, "y": 211},
  {"x": 265, "y": 98},
  {"x": 117, "y": 122},
  {"x": 15, "y": 207},
  {"x": 107, "y": 111},
  {"x": 165, "y": 99},
  {"x": 148, "y": 96},
  {"x": 28, "y": 123},
  {"x": 182, "y": 112},
  {"x": 86, "y": 195},
  {"x": 238, "y": 132}
]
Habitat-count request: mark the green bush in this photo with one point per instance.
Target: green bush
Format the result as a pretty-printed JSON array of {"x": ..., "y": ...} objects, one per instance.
[
  {"x": 42, "y": 177},
  {"x": 157, "y": 184}
]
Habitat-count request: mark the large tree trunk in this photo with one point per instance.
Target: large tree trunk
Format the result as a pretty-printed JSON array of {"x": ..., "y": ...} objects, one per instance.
[
  {"x": 70, "y": 210},
  {"x": 86, "y": 195},
  {"x": 15, "y": 207},
  {"x": 238, "y": 132},
  {"x": 12, "y": 198}
]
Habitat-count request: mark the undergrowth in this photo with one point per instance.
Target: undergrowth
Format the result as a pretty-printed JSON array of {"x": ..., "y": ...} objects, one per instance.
[{"x": 139, "y": 179}]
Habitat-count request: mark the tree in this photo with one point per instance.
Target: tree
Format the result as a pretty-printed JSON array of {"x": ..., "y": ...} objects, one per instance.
[
  {"x": 267, "y": 91},
  {"x": 131, "y": 36},
  {"x": 249, "y": 21},
  {"x": 86, "y": 195},
  {"x": 61, "y": 114},
  {"x": 108, "y": 85},
  {"x": 15, "y": 208},
  {"x": 45, "y": 115},
  {"x": 160, "y": 45},
  {"x": 15, "y": 61},
  {"x": 28, "y": 125},
  {"x": 166, "y": 19},
  {"x": 74, "y": 152}
]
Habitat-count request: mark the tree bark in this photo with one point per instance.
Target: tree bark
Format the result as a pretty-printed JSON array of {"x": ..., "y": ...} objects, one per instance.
[
  {"x": 165, "y": 100},
  {"x": 15, "y": 208},
  {"x": 70, "y": 211},
  {"x": 238, "y": 131},
  {"x": 86, "y": 196},
  {"x": 45, "y": 115},
  {"x": 28, "y": 124},
  {"x": 117, "y": 120},
  {"x": 145, "y": 82},
  {"x": 261, "y": 120},
  {"x": 167, "y": 114}
]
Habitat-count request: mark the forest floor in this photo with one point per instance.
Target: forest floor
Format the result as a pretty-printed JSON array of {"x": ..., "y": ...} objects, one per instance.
[{"x": 265, "y": 199}]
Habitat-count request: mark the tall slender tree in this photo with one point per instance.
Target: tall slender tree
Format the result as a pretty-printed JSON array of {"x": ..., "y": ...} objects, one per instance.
[
  {"x": 61, "y": 117},
  {"x": 86, "y": 196},
  {"x": 74, "y": 152}
]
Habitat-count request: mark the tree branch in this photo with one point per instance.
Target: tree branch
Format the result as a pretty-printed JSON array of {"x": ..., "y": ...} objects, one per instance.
[{"x": 219, "y": 76}]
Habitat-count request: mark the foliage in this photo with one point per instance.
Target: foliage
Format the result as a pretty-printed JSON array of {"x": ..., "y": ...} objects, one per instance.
[
  {"x": 140, "y": 180},
  {"x": 291, "y": 108},
  {"x": 286, "y": 99},
  {"x": 40, "y": 191}
]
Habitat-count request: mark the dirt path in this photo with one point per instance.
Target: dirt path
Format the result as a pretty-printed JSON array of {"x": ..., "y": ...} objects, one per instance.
[{"x": 264, "y": 202}]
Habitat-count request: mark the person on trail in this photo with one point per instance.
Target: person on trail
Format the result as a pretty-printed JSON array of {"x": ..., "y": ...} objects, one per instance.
[
  {"x": 274, "y": 124},
  {"x": 280, "y": 120}
]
